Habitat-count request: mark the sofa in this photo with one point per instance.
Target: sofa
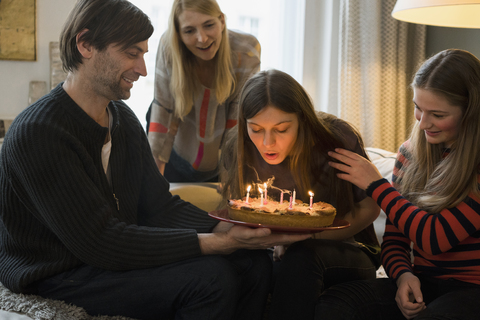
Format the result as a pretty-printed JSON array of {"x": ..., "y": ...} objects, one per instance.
[{"x": 205, "y": 196}]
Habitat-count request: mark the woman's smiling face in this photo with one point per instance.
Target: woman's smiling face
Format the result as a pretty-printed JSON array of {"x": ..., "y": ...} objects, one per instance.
[
  {"x": 201, "y": 33},
  {"x": 438, "y": 118},
  {"x": 274, "y": 133}
]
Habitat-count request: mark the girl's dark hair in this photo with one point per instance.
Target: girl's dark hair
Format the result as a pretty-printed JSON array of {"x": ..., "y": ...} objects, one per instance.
[
  {"x": 108, "y": 22},
  {"x": 315, "y": 136}
]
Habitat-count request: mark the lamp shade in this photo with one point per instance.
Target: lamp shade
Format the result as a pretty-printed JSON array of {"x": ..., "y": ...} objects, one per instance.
[{"x": 444, "y": 13}]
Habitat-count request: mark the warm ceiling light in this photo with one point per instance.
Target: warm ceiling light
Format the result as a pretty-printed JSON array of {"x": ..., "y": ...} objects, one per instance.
[{"x": 444, "y": 13}]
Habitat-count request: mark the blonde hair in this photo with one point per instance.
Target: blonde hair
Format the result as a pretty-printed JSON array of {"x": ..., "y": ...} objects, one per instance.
[
  {"x": 184, "y": 83},
  {"x": 431, "y": 180}
]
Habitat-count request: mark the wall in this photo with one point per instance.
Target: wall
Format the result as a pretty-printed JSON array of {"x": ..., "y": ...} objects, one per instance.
[
  {"x": 15, "y": 76},
  {"x": 440, "y": 38}
]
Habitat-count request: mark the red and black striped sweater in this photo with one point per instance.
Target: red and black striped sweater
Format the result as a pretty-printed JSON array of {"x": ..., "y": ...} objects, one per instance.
[{"x": 445, "y": 244}]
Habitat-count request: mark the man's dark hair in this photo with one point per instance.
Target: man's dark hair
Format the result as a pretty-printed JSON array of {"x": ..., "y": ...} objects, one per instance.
[{"x": 108, "y": 22}]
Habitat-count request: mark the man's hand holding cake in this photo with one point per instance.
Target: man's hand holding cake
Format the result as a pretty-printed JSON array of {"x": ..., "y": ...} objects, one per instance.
[{"x": 226, "y": 238}]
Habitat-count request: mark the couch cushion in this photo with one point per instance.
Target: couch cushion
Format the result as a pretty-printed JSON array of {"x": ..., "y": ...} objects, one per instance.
[{"x": 203, "y": 195}]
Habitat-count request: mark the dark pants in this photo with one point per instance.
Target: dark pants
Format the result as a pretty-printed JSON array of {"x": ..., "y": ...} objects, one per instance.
[
  {"x": 208, "y": 287},
  {"x": 375, "y": 300},
  {"x": 179, "y": 170},
  {"x": 308, "y": 268}
]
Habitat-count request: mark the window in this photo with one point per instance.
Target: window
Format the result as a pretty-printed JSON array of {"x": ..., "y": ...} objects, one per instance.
[
  {"x": 249, "y": 24},
  {"x": 277, "y": 24}
]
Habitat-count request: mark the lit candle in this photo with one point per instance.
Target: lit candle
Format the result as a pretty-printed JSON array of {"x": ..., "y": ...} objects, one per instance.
[
  {"x": 294, "y": 193},
  {"x": 281, "y": 197},
  {"x": 311, "y": 198},
  {"x": 265, "y": 185},
  {"x": 261, "y": 196},
  {"x": 248, "y": 193}
]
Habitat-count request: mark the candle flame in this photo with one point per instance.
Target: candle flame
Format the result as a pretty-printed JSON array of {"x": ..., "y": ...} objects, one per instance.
[
  {"x": 260, "y": 190},
  {"x": 265, "y": 185},
  {"x": 248, "y": 188},
  {"x": 310, "y": 193}
]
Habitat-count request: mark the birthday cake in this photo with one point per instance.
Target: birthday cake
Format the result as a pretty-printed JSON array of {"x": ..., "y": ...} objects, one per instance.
[{"x": 298, "y": 214}]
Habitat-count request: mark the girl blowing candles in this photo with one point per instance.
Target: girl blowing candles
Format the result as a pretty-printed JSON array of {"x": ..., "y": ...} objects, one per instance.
[
  {"x": 279, "y": 134},
  {"x": 200, "y": 70},
  {"x": 434, "y": 203}
]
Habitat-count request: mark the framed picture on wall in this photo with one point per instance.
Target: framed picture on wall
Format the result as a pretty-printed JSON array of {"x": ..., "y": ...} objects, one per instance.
[{"x": 18, "y": 30}]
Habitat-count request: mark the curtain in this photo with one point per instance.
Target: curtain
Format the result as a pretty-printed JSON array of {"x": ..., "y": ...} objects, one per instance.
[
  {"x": 377, "y": 58},
  {"x": 320, "y": 53}
]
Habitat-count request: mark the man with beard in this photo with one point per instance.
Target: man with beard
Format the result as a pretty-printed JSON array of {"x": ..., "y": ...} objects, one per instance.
[{"x": 86, "y": 216}]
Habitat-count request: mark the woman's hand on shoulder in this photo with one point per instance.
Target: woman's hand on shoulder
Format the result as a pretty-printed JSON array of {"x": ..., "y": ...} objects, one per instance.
[{"x": 355, "y": 168}]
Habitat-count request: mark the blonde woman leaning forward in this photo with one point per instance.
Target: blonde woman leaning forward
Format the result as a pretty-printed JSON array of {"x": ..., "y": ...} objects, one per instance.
[
  {"x": 201, "y": 68},
  {"x": 434, "y": 203}
]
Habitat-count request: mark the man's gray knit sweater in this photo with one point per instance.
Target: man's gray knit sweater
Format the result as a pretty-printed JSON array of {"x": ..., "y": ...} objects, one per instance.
[{"x": 58, "y": 210}]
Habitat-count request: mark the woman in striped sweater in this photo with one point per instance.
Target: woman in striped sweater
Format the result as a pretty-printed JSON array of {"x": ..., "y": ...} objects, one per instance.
[{"x": 433, "y": 207}]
